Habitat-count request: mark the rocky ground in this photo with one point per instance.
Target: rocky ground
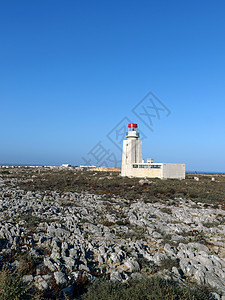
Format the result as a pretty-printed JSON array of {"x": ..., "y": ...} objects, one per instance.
[{"x": 61, "y": 238}]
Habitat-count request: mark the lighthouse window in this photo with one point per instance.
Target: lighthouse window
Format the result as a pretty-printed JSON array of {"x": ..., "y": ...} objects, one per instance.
[{"x": 135, "y": 166}]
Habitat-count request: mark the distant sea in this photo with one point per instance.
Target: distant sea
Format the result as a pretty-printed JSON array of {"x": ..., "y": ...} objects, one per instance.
[
  {"x": 206, "y": 172},
  {"x": 22, "y": 165}
]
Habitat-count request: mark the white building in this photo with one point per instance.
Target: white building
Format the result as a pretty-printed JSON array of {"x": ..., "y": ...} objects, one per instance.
[
  {"x": 87, "y": 167},
  {"x": 133, "y": 164}
]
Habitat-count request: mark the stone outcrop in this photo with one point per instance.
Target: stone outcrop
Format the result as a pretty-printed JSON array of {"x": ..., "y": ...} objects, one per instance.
[{"x": 72, "y": 235}]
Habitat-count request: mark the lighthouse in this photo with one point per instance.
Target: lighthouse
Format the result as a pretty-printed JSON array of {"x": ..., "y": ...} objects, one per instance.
[
  {"x": 133, "y": 164},
  {"x": 132, "y": 150}
]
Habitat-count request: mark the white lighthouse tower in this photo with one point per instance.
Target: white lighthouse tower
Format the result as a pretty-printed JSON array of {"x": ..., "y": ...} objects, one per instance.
[{"x": 132, "y": 150}]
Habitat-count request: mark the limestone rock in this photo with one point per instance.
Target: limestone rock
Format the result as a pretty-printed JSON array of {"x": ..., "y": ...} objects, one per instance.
[
  {"x": 115, "y": 276},
  {"x": 60, "y": 277}
]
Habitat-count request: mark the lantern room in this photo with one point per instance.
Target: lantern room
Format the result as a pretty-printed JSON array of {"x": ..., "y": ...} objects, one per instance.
[
  {"x": 132, "y": 131},
  {"x": 132, "y": 127}
]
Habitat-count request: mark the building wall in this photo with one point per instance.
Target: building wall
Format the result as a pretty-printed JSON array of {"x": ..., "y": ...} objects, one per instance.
[
  {"x": 132, "y": 153},
  {"x": 150, "y": 173},
  {"x": 173, "y": 171},
  {"x": 176, "y": 171}
]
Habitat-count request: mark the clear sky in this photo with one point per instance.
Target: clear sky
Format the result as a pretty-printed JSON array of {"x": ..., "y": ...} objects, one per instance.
[{"x": 71, "y": 71}]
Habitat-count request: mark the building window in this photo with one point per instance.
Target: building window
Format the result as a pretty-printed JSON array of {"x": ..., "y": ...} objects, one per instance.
[
  {"x": 147, "y": 166},
  {"x": 155, "y": 166}
]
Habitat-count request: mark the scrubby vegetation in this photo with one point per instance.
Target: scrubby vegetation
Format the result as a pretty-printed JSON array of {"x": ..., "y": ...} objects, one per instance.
[
  {"x": 12, "y": 287},
  {"x": 145, "y": 289},
  {"x": 205, "y": 190}
]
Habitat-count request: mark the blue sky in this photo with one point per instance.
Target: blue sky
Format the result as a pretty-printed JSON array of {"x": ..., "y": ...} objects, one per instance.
[{"x": 70, "y": 71}]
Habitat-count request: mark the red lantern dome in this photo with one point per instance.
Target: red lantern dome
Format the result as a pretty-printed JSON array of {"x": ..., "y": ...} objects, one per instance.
[{"x": 132, "y": 125}]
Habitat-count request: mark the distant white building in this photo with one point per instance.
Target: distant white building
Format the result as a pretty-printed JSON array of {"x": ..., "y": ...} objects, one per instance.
[
  {"x": 65, "y": 165},
  {"x": 87, "y": 166},
  {"x": 133, "y": 164}
]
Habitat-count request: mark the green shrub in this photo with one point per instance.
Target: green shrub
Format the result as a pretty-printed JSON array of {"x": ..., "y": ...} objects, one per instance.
[
  {"x": 108, "y": 223},
  {"x": 145, "y": 289},
  {"x": 31, "y": 221},
  {"x": 5, "y": 172},
  {"x": 147, "y": 267},
  {"x": 166, "y": 210},
  {"x": 12, "y": 286},
  {"x": 28, "y": 264},
  {"x": 169, "y": 263}
]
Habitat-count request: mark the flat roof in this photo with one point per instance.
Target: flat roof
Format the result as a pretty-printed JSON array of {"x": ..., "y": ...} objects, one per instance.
[{"x": 146, "y": 163}]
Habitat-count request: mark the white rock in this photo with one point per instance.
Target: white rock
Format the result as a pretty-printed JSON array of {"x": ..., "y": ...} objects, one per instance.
[
  {"x": 49, "y": 264},
  {"x": 132, "y": 265},
  {"x": 158, "y": 257},
  {"x": 156, "y": 235},
  {"x": 28, "y": 278},
  {"x": 60, "y": 277},
  {"x": 115, "y": 276}
]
